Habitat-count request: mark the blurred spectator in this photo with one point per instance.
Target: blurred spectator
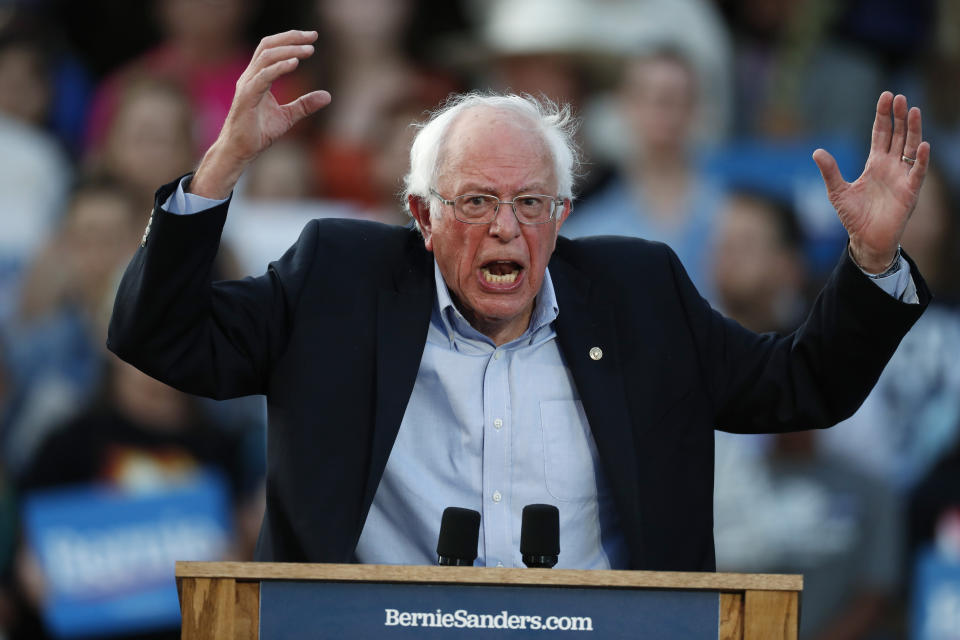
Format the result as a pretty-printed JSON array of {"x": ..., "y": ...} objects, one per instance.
[
  {"x": 794, "y": 510},
  {"x": 941, "y": 90},
  {"x": 935, "y": 508},
  {"x": 935, "y": 551},
  {"x": 364, "y": 60},
  {"x": 541, "y": 48},
  {"x": 572, "y": 51},
  {"x": 41, "y": 83},
  {"x": 149, "y": 139},
  {"x": 34, "y": 171},
  {"x": 759, "y": 274},
  {"x": 273, "y": 203},
  {"x": 55, "y": 344},
  {"x": 912, "y": 416},
  {"x": 816, "y": 516},
  {"x": 564, "y": 49},
  {"x": 933, "y": 237},
  {"x": 282, "y": 172},
  {"x": 141, "y": 436},
  {"x": 659, "y": 194},
  {"x": 25, "y": 73},
  {"x": 545, "y": 48},
  {"x": 203, "y": 51},
  {"x": 396, "y": 132},
  {"x": 34, "y": 178},
  {"x": 935, "y": 245},
  {"x": 758, "y": 266},
  {"x": 817, "y": 66}
]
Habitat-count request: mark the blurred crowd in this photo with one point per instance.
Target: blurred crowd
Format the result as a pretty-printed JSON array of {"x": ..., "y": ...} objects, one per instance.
[{"x": 699, "y": 118}]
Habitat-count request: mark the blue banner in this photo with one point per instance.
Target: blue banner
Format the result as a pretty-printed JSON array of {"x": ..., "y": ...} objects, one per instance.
[
  {"x": 936, "y": 601},
  {"x": 108, "y": 556},
  {"x": 318, "y": 611}
]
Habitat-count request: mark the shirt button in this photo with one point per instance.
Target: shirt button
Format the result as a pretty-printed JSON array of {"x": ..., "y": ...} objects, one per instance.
[
  {"x": 497, "y": 497},
  {"x": 497, "y": 424},
  {"x": 497, "y": 354}
]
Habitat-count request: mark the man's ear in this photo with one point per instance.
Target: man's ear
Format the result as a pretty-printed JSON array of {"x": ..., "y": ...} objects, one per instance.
[{"x": 420, "y": 209}]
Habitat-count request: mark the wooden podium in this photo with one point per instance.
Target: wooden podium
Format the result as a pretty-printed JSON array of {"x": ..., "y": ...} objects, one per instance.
[{"x": 222, "y": 599}]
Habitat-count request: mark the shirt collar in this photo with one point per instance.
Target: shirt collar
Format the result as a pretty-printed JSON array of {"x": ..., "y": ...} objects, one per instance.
[{"x": 545, "y": 309}]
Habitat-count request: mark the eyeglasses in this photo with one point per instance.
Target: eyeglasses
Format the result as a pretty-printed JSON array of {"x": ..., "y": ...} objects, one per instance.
[{"x": 479, "y": 208}]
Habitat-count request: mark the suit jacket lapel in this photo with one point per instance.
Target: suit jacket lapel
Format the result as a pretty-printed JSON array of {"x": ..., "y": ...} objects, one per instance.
[
  {"x": 403, "y": 317},
  {"x": 586, "y": 321}
]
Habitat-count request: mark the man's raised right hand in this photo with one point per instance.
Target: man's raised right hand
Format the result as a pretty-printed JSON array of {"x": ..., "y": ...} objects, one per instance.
[{"x": 256, "y": 119}]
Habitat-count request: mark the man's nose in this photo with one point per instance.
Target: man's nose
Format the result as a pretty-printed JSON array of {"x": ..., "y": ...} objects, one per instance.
[{"x": 505, "y": 224}]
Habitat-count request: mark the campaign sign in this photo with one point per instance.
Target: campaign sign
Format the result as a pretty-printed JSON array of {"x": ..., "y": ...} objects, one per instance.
[
  {"x": 321, "y": 610},
  {"x": 936, "y": 603},
  {"x": 108, "y": 556}
]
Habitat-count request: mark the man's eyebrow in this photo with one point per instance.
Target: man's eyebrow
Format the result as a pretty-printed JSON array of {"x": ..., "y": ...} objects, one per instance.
[
  {"x": 536, "y": 187},
  {"x": 476, "y": 187},
  {"x": 488, "y": 189}
]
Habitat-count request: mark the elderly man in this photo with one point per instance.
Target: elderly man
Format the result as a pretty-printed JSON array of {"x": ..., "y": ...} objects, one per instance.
[{"x": 410, "y": 370}]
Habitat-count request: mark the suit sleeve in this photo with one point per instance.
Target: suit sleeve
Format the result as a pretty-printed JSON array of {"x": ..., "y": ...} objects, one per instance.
[
  {"x": 812, "y": 378},
  {"x": 212, "y": 339}
]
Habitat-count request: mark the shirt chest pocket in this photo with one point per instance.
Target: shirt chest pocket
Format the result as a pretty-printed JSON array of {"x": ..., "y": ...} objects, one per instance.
[{"x": 569, "y": 452}]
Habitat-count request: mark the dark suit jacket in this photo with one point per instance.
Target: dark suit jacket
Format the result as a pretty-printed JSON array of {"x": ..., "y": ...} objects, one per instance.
[{"x": 334, "y": 331}]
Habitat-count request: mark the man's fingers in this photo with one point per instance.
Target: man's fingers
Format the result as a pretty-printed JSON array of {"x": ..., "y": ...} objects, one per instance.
[
  {"x": 292, "y": 37},
  {"x": 273, "y": 55},
  {"x": 914, "y": 133},
  {"x": 828, "y": 169},
  {"x": 880, "y": 139},
  {"x": 262, "y": 81},
  {"x": 919, "y": 170},
  {"x": 306, "y": 104},
  {"x": 899, "y": 124}
]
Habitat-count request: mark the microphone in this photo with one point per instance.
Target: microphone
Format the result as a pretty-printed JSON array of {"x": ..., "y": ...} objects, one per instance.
[
  {"x": 540, "y": 536},
  {"x": 459, "y": 533}
]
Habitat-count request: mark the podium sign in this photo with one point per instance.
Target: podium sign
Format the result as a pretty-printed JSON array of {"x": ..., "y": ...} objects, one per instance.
[
  {"x": 371, "y": 610},
  {"x": 274, "y": 601}
]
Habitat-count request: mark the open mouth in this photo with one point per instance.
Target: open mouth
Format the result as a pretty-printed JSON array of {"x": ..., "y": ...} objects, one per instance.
[{"x": 501, "y": 272}]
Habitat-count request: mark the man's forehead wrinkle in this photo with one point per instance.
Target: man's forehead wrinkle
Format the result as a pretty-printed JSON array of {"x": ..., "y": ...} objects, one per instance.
[
  {"x": 474, "y": 120},
  {"x": 524, "y": 177},
  {"x": 481, "y": 130}
]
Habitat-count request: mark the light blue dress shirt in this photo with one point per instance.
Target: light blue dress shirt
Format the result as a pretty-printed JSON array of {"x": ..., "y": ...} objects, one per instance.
[{"x": 493, "y": 429}]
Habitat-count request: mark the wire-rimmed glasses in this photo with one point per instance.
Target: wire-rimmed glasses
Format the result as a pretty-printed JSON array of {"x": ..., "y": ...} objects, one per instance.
[{"x": 481, "y": 208}]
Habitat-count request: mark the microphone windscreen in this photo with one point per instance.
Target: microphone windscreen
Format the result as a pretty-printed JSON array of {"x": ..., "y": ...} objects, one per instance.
[
  {"x": 459, "y": 533},
  {"x": 540, "y": 530}
]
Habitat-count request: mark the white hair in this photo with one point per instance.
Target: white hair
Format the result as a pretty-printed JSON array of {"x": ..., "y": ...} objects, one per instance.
[{"x": 555, "y": 123}]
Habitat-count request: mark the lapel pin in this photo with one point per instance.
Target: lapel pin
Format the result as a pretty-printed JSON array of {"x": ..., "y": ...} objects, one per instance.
[{"x": 596, "y": 353}]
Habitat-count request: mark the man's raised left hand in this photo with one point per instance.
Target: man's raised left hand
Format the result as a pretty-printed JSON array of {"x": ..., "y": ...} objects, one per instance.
[{"x": 875, "y": 208}]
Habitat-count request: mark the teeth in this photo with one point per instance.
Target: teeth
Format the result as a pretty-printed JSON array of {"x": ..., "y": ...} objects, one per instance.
[{"x": 492, "y": 277}]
